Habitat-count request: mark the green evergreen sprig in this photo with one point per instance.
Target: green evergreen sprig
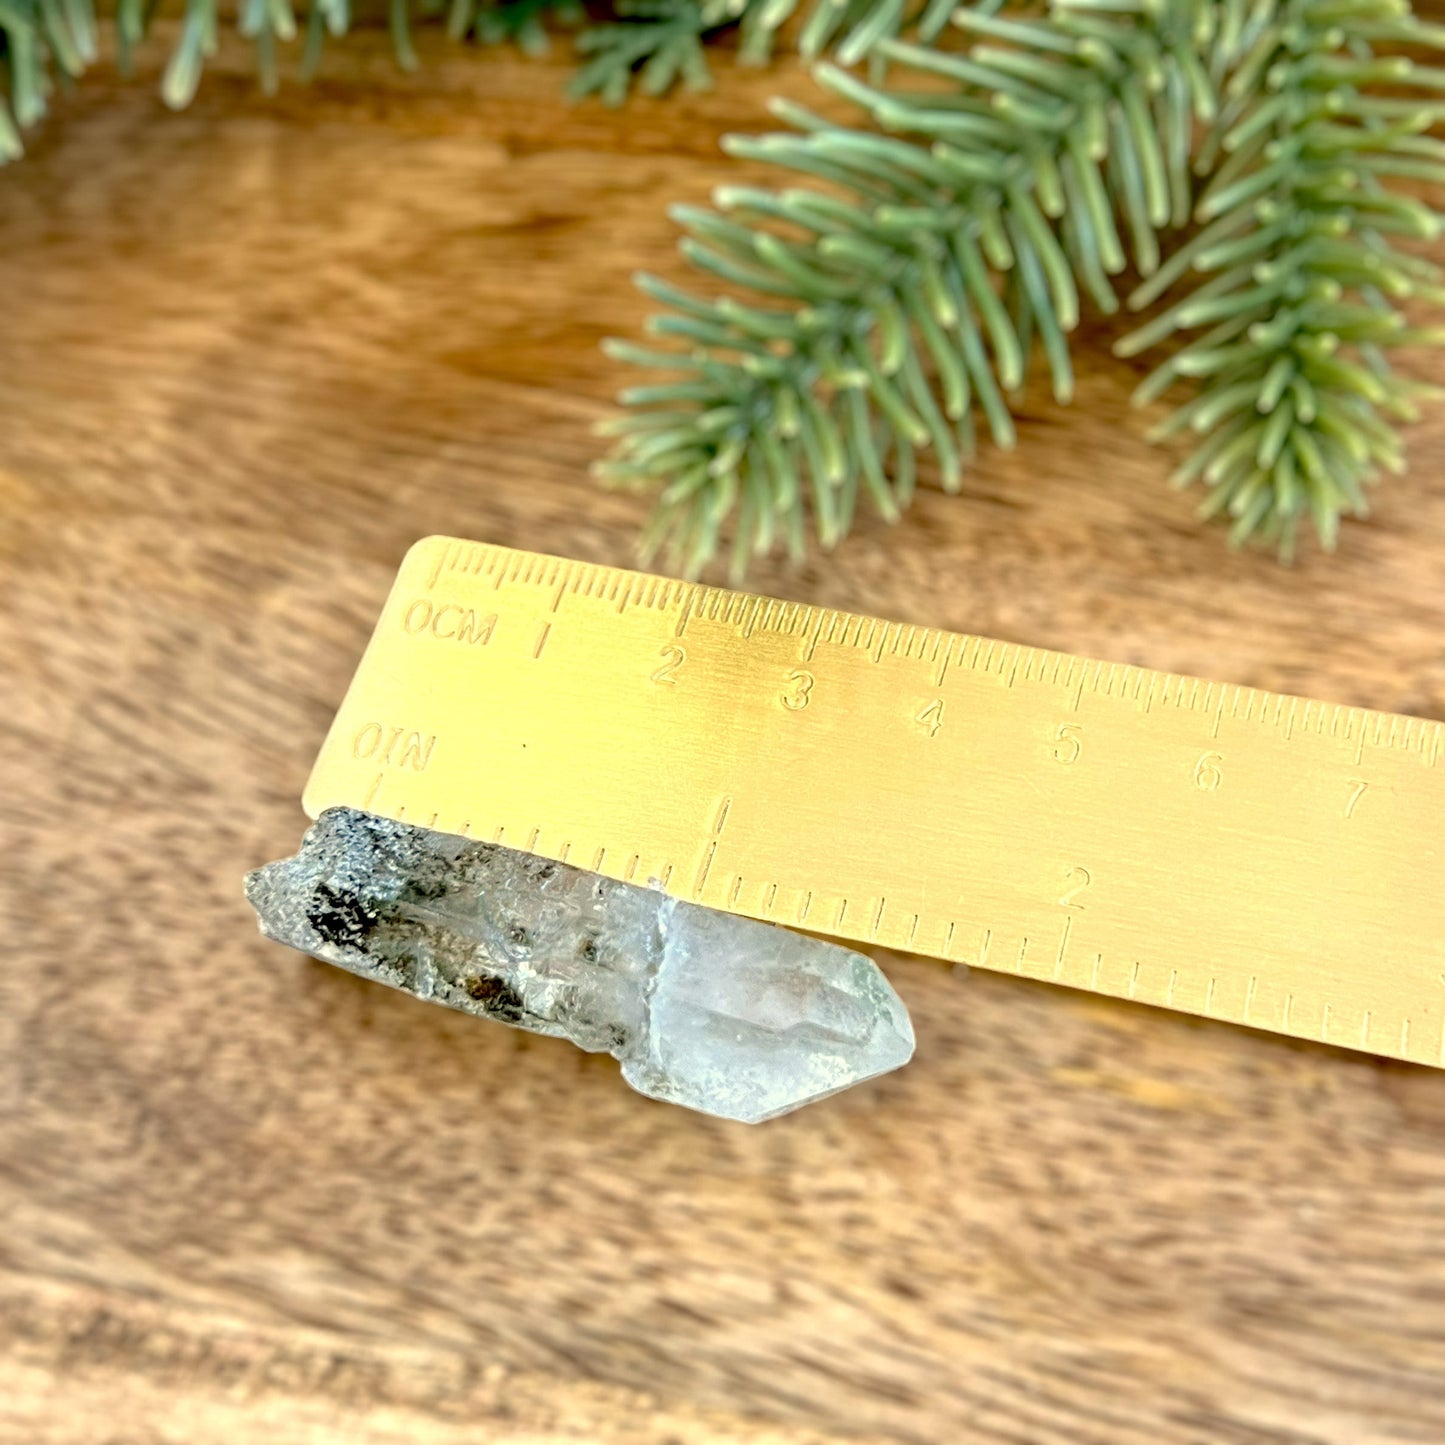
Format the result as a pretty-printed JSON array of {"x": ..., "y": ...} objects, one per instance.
[
  {"x": 870, "y": 310},
  {"x": 653, "y": 43},
  {"x": 1297, "y": 400}
]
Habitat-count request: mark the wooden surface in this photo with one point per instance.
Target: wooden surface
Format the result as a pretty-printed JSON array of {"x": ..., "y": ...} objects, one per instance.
[{"x": 247, "y": 355}]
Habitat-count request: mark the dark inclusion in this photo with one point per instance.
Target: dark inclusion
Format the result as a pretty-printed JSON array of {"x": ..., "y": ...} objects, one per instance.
[
  {"x": 342, "y": 919},
  {"x": 496, "y": 996}
]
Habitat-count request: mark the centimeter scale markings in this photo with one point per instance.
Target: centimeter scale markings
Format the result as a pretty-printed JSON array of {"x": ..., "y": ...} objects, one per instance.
[{"x": 1215, "y": 849}]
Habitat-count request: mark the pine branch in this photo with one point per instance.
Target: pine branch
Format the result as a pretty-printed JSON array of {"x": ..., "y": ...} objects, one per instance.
[
  {"x": 518, "y": 22},
  {"x": 659, "y": 41},
  {"x": 654, "y": 42},
  {"x": 903, "y": 291},
  {"x": 37, "y": 34},
  {"x": 894, "y": 298},
  {"x": 1306, "y": 280}
]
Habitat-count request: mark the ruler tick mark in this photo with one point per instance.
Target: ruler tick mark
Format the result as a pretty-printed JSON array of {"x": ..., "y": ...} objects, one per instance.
[
  {"x": 1063, "y": 946},
  {"x": 1094, "y": 970},
  {"x": 1288, "y": 1003},
  {"x": 1134, "y": 978},
  {"x": 948, "y": 939},
  {"x": 1249, "y": 996},
  {"x": 371, "y": 792},
  {"x": 1023, "y": 949},
  {"x": 1209, "y": 997},
  {"x": 1325, "y": 1024},
  {"x": 630, "y": 871},
  {"x": 878, "y": 917},
  {"x": 685, "y": 613},
  {"x": 443, "y": 558},
  {"x": 722, "y": 815},
  {"x": 842, "y": 911},
  {"x": 813, "y": 640},
  {"x": 769, "y": 899},
  {"x": 702, "y": 872},
  {"x": 666, "y": 875},
  {"x": 807, "y": 904},
  {"x": 983, "y": 948},
  {"x": 1365, "y": 1030},
  {"x": 912, "y": 932},
  {"x": 735, "y": 890},
  {"x": 542, "y": 639},
  {"x": 1169, "y": 992},
  {"x": 497, "y": 835},
  {"x": 597, "y": 861}
]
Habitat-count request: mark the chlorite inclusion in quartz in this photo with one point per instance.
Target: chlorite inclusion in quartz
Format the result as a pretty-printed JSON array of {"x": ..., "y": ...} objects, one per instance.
[{"x": 717, "y": 1013}]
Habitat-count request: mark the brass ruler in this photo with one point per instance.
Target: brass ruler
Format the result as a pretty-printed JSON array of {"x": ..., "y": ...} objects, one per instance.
[{"x": 1215, "y": 849}]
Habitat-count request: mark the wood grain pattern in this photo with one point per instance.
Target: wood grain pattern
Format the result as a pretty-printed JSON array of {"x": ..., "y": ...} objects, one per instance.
[{"x": 250, "y": 353}]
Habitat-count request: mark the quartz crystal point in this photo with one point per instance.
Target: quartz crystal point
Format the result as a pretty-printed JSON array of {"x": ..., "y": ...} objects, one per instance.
[{"x": 704, "y": 1009}]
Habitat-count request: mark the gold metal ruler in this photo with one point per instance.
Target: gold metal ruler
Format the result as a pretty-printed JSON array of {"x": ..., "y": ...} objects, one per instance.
[{"x": 1268, "y": 860}]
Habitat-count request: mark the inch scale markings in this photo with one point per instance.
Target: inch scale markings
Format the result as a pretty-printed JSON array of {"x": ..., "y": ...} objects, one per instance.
[{"x": 1195, "y": 845}]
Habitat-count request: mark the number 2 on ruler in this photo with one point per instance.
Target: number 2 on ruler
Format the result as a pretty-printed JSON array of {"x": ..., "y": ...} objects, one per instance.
[
  {"x": 1078, "y": 879},
  {"x": 672, "y": 659}
]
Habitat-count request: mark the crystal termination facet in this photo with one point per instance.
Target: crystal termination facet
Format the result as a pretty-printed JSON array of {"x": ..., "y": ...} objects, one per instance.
[{"x": 722, "y": 1014}]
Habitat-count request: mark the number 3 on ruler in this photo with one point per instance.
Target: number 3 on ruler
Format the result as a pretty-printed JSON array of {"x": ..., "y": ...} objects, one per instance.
[{"x": 800, "y": 688}]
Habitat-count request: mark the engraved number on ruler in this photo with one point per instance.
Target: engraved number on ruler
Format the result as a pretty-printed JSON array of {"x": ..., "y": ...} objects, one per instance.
[
  {"x": 1207, "y": 774},
  {"x": 1076, "y": 881},
  {"x": 393, "y": 746},
  {"x": 800, "y": 688},
  {"x": 932, "y": 716},
  {"x": 1068, "y": 743},
  {"x": 449, "y": 622},
  {"x": 1358, "y": 786},
  {"x": 672, "y": 659}
]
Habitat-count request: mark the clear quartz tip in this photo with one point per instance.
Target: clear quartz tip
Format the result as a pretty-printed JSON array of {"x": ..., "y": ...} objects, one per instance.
[{"x": 735, "y": 1018}]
